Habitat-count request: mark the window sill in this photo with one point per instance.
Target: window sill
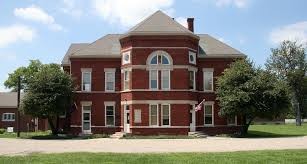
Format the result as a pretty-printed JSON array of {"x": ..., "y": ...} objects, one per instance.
[
  {"x": 8, "y": 120},
  {"x": 208, "y": 125},
  {"x": 208, "y": 91}
]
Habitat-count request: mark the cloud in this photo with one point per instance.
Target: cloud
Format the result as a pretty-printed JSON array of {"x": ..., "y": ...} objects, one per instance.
[
  {"x": 236, "y": 3},
  {"x": 130, "y": 12},
  {"x": 72, "y": 7},
  {"x": 293, "y": 32},
  {"x": 182, "y": 21},
  {"x": 37, "y": 14},
  {"x": 15, "y": 33}
]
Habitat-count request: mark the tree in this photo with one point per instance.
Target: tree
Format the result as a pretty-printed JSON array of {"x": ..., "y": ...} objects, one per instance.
[
  {"x": 250, "y": 92},
  {"x": 49, "y": 94},
  {"x": 288, "y": 62},
  {"x": 26, "y": 73}
]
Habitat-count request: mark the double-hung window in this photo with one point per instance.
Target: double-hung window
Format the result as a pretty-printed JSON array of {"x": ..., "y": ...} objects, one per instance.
[
  {"x": 209, "y": 115},
  {"x": 153, "y": 115},
  {"x": 165, "y": 79},
  {"x": 192, "y": 80},
  {"x": 232, "y": 120},
  {"x": 165, "y": 115},
  {"x": 110, "y": 114},
  {"x": 110, "y": 80},
  {"x": 126, "y": 79},
  {"x": 8, "y": 117},
  {"x": 153, "y": 79},
  {"x": 86, "y": 80},
  {"x": 208, "y": 79}
]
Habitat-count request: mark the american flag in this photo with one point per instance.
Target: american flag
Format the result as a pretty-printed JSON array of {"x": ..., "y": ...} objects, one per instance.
[{"x": 198, "y": 107}]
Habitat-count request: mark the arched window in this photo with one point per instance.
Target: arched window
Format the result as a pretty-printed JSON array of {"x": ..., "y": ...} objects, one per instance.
[
  {"x": 159, "y": 58},
  {"x": 159, "y": 63}
]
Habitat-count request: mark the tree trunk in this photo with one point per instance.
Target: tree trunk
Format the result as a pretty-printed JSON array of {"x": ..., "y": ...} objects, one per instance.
[
  {"x": 57, "y": 122},
  {"x": 246, "y": 123},
  {"x": 53, "y": 128},
  {"x": 296, "y": 107}
]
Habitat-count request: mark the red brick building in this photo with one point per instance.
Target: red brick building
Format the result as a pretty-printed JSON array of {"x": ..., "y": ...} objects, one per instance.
[
  {"x": 148, "y": 80},
  {"x": 8, "y": 113}
]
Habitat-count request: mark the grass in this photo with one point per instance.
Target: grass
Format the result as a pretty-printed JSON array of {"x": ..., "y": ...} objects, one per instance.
[
  {"x": 46, "y": 135},
  {"x": 129, "y": 136},
  {"x": 273, "y": 131},
  {"x": 259, "y": 157}
]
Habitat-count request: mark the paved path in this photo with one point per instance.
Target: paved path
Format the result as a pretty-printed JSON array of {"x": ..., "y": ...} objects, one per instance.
[{"x": 211, "y": 144}]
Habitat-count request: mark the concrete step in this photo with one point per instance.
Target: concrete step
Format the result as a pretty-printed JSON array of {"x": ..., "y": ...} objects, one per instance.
[
  {"x": 117, "y": 135},
  {"x": 197, "y": 134}
]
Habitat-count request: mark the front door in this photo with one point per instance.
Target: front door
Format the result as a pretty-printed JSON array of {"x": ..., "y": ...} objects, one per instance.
[
  {"x": 86, "y": 120},
  {"x": 192, "y": 120},
  {"x": 126, "y": 119}
]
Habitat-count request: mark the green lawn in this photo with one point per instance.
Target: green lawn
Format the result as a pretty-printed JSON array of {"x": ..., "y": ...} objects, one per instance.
[
  {"x": 287, "y": 130},
  {"x": 41, "y": 135},
  {"x": 284, "y": 156}
]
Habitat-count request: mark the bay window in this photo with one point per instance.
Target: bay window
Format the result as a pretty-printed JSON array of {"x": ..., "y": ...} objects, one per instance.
[
  {"x": 153, "y": 115},
  {"x": 208, "y": 79},
  {"x": 165, "y": 79},
  {"x": 165, "y": 115},
  {"x": 126, "y": 80},
  {"x": 192, "y": 80},
  {"x": 153, "y": 76}
]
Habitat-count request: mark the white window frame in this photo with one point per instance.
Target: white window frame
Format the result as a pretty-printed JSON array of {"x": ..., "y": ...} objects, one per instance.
[
  {"x": 157, "y": 79},
  {"x": 169, "y": 114},
  {"x": 123, "y": 56},
  {"x": 83, "y": 104},
  {"x": 194, "y": 57},
  {"x": 212, "y": 115},
  {"x": 84, "y": 71},
  {"x": 194, "y": 80},
  {"x": 208, "y": 70},
  {"x": 11, "y": 117},
  {"x": 169, "y": 79},
  {"x": 109, "y": 71},
  {"x": 137, "y": 120},
  {"x": 234, "y": 123},
  {"x": 106, "y": 104},
  {"x": 157, "y": 115},
  {"x": 126, "y": 73}
]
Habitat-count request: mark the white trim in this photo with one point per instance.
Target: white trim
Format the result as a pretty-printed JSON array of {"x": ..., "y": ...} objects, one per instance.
[
  {"x": 194, "y": 57},
  {"x": 109, "y": 103},
  {"x": 157, "y": 105},
  {"x": 208, "y": 70},
  {"x": 236, "y": 123},
  {"x": 157, "y": 54},
  {"x": 169, "y": 79},
  {"x": 130, "y": 48},
  {"x": 169, "y": 114},
  {"x": 149, "y": 67},
  {"x": 83, "y": 71},
  {"x": 109, "y": 71},
  {"x": 209, "y": 103},
  {"x": 90, "y": 119},
  {"x": 157, "y": 79},
  {"x": 129, "y": 102},
  {"x": 123, "y": 57},
  {"x": 150, "y": 127},
  {"x": 86, "y": 103},
  {"x": 134, "y": 114},
  {"x": 11, "y": 117}
]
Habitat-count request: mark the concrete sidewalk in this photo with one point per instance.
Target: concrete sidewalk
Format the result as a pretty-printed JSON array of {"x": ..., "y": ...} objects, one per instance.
[{"x": 211, "y": 144}]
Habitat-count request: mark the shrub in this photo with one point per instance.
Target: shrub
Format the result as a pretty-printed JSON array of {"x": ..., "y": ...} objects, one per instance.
[{"x": 2, "y": 131}]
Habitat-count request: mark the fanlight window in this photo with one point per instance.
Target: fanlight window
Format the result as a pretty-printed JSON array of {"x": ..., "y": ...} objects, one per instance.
[{"x": 160, "y": 59}]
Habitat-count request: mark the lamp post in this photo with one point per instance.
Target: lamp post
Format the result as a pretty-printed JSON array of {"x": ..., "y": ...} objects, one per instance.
[{"x": 18, "y": 105}]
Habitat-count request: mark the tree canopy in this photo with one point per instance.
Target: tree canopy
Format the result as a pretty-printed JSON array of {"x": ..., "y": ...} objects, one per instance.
[
  {"x": 288, "y": 62},
  {"x": 26, "y": 74},
  {"x": 49, "y": 94},
  {"x": 250, "y": 92}
]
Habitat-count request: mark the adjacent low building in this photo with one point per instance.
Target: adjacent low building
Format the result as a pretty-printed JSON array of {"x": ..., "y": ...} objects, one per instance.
[
  {"x": 148, "y": 80},
  {"x": 8, "y": 113}
]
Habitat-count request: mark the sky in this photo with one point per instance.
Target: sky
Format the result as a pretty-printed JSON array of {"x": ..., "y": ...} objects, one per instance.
[{"x": 39, "y": 29}]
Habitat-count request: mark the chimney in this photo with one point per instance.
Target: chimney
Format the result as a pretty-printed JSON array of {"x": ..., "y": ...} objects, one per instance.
[{"x": 190, "y": 24}]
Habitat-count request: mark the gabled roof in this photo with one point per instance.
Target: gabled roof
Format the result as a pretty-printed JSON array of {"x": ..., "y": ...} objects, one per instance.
[
  {"x": 107, "y": 46},
  {"x": 159, "y": 24},
  {"x": 72, "y": 48},
  {"x": 9, "y": 99},
  {"x": 213, "y": 48}
]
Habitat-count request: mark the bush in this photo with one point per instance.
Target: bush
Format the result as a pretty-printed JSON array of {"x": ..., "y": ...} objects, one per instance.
[{"x": 2, "y": 131}]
